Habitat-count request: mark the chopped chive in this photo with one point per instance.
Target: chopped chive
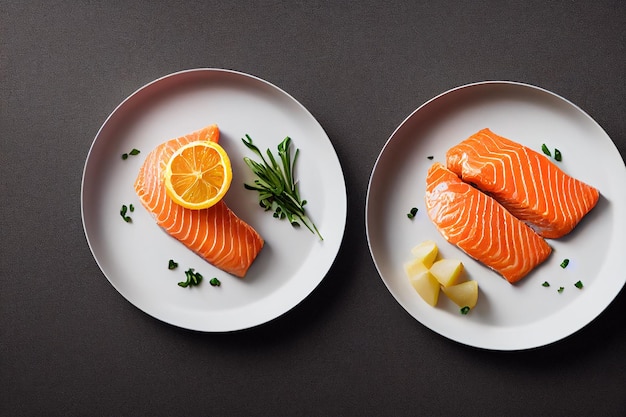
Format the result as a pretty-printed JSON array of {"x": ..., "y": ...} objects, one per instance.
[
  {"x": 430, "y": 157},
  {"x": 193, "y": 278},
  {"x": 560, "y": 290},
  {"x": 579, "y": 285},
  {"x": 132, "y": 152},
  {"x": 123, "y": 212},
  {"x": 465, "y": 310},
  {"x": 412, "y": 213},
  {"x": 546, "y": 284},
  {"x": 215, "y": 282},
  {"x": 545, "y": 149},
  {"x": 564, "y": 263},
  {"x": 172, "y": 264},
  {"x": 557, "y": 155},
  {"x": 131, "y": 208}
]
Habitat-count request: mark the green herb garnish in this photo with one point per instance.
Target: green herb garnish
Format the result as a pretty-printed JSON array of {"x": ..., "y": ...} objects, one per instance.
[
  {"x": 564, "y": 263},
  {"x": 465, "y": 310},
  {"x": 546, "y": 284},
  {"x": 560, "y": 290},
  {"x": 412, "y": 213},
  {"x": 172, "y": 264},
  {"x": 131, "y": 208},
  {"x": 215, "y": 282},
  {"x": 276, "y": 185},
  {"x": 193, "y": 278},
  {"x": 132, "y": 152},
  {"x": 557, "y": 153},
  {"x": 123, "y": 212},
  {"x": 579, "y": 285},
  {"x": 430, "y": 157}
]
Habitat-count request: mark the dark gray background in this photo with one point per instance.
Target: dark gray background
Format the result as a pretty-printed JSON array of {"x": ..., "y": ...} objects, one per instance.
[{"x": 71, "y": 345}]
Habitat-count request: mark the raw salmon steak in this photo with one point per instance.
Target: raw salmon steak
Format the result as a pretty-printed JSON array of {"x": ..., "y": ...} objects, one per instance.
[
  {"x": 216, "y": 233},
  {"x": 482, "y": 228},
  {"x": 524, "y": 181}
]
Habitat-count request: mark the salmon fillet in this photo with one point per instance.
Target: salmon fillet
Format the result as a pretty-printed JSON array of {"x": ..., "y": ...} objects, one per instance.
[
  {"x": 524, "y": 181},
  {"x": 216, "y": 233},
  {"x": 482, "y": 228}
]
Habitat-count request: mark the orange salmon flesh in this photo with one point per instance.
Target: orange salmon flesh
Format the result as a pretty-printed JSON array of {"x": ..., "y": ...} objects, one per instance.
[
  {"x": 216, "y": 234},
  {"x": 482, "y": 228},
  {"x": 529, "y": 185}
]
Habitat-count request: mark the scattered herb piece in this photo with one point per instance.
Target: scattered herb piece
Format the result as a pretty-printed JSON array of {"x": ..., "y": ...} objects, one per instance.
[
  {"x": 430, "y": 157},
  {"x": 564, "y": 263},
  {"x": 132, "y": 152},
  {"x": 412, "y": 213},
  {"x": 193, "y": 278},
  {"x": 131, "y": 208},
  {"x": 123, "y": 212},
  {"x": 560, "y": 290},
  {"x": 215, "y": 282},
  {"x": 579, "y": 285},
  {"x": 276, "y": 185},
  {"x": 172, "y": 264},
  {"x": 546, "y": 284},
  {"x": 465, "y": 310},
  {"x": 557, "y": 155}
]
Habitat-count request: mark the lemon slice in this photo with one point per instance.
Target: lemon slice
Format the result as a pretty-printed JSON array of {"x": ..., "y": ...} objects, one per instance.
[{"x": 198, "y": 175}]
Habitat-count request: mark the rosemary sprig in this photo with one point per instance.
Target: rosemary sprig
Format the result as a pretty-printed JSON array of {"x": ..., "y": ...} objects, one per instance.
[{"x": 276, "y": 184}]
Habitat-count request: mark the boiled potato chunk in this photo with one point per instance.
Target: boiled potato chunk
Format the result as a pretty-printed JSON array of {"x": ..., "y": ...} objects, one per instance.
[
  {"x": 426, "y": 252},
  {"x": 463, "y": 294},
  {"x": 427, "y": 287},
  {"x": 414, "y": 267},
  {"x": 447, "y": 271}
]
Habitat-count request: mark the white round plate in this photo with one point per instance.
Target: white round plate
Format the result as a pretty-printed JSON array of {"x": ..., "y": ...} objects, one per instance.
[
  {"x": 507, "y": 317},
  {"x": 134, "y": 256}
]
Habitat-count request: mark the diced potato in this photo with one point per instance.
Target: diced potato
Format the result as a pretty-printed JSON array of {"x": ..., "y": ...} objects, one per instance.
[
  {"x": 426, "y": 252},
  {"x": 463, "y": 294},
  {"x": 414, "y": 267},
  {"x": 427, "y": 287},
  {"x": 429, "y": 278},
  {"x": 447, "y": 271}
]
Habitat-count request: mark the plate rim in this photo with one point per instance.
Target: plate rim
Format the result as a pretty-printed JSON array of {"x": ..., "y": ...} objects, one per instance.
[
  {"x": 340, "y": 210},
  {"x": 490, "y": 347}
]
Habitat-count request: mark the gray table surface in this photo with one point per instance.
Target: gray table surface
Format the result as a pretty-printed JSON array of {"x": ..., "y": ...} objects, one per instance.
[{"x": 70, "y": 344}]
